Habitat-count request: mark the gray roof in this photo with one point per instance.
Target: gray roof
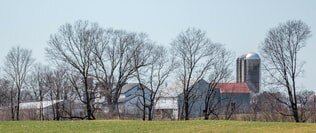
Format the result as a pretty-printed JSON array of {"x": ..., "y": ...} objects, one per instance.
[{"x": 128, "y": 86}]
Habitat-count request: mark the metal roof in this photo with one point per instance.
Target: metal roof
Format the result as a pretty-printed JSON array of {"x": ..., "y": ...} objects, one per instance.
[
  {"x": 249, "y": 56},
  {"x": 233, "y": 87},
  {"x": 167, "y": 103},
  {"x": 37, "y": 105},
  {"x": 252, "y": 56}
]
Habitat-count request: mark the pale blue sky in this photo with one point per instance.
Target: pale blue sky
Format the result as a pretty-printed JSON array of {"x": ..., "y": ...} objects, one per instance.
[{"x": 239, "y": 24}]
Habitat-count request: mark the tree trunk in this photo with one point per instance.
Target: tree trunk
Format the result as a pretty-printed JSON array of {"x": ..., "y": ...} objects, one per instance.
[
  {"x": 295, "y": 114},
  {"x": 18, "y": 105},
  {"x": 144, "y": 114},
  {"x": 89, "y": 112},
  {"x": 111, "y": 107},
  {"x": 116, "y": 109},
  {"x": 144, "y": 102},
  {"x": 88, "y": 100},
  {"x": 205, "y": 111},
  {"x": 41, "y": 107},
  {"x": 12, "y": 104},
  {"x": 150, "y": 114},
  {"x": 57, "y": 105},
  {"x": 186, "y": 108},
  {"x": 150, "y": 110},
  {"x": 206, "y": 116}
]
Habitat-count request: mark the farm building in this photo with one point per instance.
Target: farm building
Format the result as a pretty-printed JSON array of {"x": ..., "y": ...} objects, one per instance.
[
  {"x": 47, "y": 110},
  {"x": 224, "y": 95},
  {"x": 130, "y": 99},
  {"x": 167, "y": 107}
]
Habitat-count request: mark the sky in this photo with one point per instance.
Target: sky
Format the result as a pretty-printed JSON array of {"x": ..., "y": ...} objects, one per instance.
[{"x": 240, "y": 25}]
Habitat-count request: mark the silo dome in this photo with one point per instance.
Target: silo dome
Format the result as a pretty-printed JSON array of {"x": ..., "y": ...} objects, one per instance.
[{"x": 252, "y": 56}]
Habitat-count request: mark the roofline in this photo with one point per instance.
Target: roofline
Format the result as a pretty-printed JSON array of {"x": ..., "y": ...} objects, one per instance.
[{"x": 236, "y": 92}]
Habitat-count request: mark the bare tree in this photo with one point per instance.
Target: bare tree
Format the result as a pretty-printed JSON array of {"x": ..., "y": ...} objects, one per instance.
[
  {"x": 153, "y": 76},
  {"x": 311, "y": 105},
  {"x": 280, "y": 52},
  {"x": 61, "y": 90},
  {"x": 141, "y": 57},
  {"x": 52, "y": 90},
  {"x": 17, "y": 64},
  {"x": 71, "y": 94},
  {"x": 5, "y": 99},
  {"x": 7, "y": 94},
  {"x": 230, "y": 106},
  {"x": 195, "y": 53},
  {"x": 304, "y": 104},
  {"x": 269, "y": 107},
  {"x": 74, "y": 45},
  {"x": 4, "y": 92},
  {"x": 220, "y": 71},
  {"x": 46, "y": 83},
  {"x": 36, "y": 82},
  {"x": 113, "y": 65}
]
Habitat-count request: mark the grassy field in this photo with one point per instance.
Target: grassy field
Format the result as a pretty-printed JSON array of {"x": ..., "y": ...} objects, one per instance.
[{"x": 123, "y": 126}]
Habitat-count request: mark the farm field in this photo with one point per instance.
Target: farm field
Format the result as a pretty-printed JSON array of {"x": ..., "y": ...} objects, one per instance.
[{"x": 125, "y": 126}]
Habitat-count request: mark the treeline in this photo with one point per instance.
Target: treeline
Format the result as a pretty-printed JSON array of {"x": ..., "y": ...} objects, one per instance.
[
  {"x": 88, "y": 63},
  {"x": 80, "y": 54}
]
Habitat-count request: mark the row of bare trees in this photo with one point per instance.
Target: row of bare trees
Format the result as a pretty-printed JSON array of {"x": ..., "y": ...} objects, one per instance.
[
  {"x": 112, "y": 57},
  {"x": 87, "y": 52},
  {"x": 89, "y": 62}
]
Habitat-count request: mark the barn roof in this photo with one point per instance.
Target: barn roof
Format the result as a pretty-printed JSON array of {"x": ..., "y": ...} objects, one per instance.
[
  {"x": 128, "y": 86},
  {"x": 37, "y": 105},
  {"x": 233, "y": 87}
]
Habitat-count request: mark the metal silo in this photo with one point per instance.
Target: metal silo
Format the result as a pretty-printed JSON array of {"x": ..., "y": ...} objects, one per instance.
[{"x": 248, "y": 71}]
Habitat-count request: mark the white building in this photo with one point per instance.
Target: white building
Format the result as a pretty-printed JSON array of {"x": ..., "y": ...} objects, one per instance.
[{"x": 167, "y": 107}]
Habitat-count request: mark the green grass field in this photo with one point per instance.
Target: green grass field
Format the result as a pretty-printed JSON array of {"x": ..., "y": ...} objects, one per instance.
[{"x": 123, "y": 126}]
